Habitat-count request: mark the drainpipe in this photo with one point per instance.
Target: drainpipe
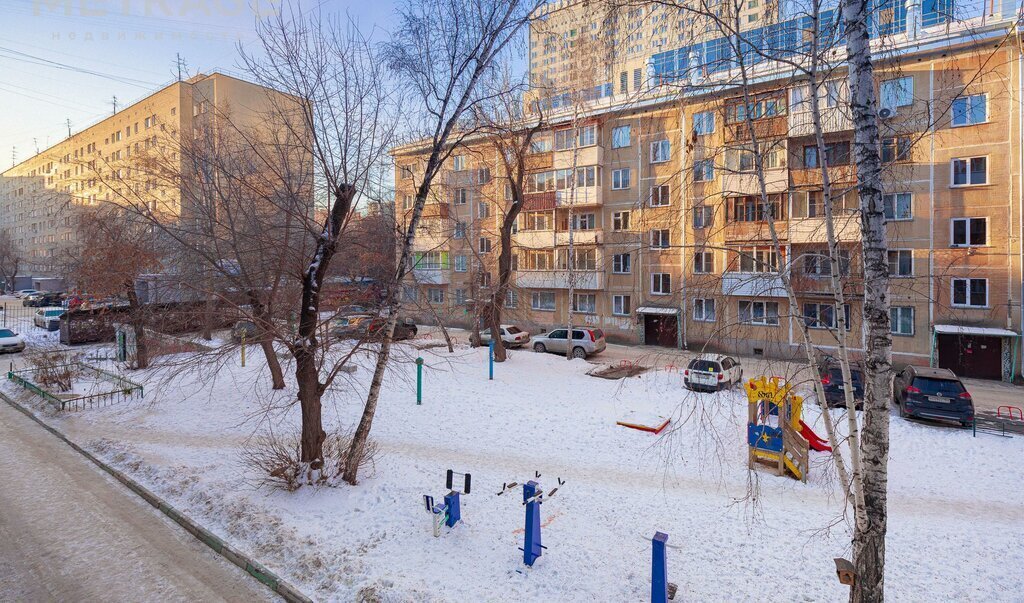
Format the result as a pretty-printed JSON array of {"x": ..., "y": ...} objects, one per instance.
[
  {"x": 931, "y": 201},
  {"x": 683, "y": 342},
  {"x": 1020, "y": 174}
]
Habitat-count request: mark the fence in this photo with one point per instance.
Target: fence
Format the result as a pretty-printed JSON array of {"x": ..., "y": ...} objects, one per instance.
[{"x": 126, "y": 389}]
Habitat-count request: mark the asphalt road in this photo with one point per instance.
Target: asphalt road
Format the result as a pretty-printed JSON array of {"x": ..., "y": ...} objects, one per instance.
[{"x": 69, "y": 532}]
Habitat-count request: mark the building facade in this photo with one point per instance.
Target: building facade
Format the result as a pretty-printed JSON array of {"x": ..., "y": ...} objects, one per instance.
[
  {"x": 138, "y": 148},
  {"x": 672, "y": 244}
]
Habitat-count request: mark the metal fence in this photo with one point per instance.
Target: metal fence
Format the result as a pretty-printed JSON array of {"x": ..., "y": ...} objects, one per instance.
[{"x": 121, "y": 388}]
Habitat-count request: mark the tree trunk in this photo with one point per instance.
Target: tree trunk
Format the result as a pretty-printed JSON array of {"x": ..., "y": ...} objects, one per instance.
[
  {"x": 504, "y": 276},
  {"x": 869, "y": 533},
  {"x": 262, "y": 317},
  {"x": 312, "y": 439},
  {"x": 276, "y": 373},
  {"x": 138, "y": 327}
]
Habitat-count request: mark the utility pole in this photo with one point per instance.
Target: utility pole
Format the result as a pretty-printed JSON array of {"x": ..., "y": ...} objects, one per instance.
[
  {"x": 115, "y": 104},
  {"x": 14, "y": 155},
  {"x": 35, "y": 143},
  {"x": 68, "y": 122},
  {"x": 180, "y": 62}
]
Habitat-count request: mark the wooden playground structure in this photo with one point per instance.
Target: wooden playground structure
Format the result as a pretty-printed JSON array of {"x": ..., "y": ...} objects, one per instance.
[{"x": 774, "y": 427}]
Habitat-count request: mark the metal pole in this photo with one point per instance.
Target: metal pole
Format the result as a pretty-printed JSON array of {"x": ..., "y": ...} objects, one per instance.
[
  {"x": 659, "y": 569},
  {"x": 419, "y": 381},
  {"x": 243, "y": 348},
  {"x": 490, "y": 359}
]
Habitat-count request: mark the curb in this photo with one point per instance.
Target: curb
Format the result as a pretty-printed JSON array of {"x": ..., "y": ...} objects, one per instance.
[{"x": 269, "y": 579}]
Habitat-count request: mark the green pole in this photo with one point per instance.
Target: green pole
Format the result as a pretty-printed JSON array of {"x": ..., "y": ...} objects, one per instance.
[{"x": 419, "y": 381}]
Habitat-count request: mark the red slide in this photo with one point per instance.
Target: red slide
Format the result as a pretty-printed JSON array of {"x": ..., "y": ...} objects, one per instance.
[{"x": 813, "y": 440}]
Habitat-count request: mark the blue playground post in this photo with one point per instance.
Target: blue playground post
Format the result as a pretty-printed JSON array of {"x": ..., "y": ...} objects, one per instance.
[
  {"x": 451, "y": 501},
  {"x": 419, "y": 381},
  {"x": 659, "y": 569},
  {"x": 532, "y": 546},
  {"x": 490, "y": 359}
]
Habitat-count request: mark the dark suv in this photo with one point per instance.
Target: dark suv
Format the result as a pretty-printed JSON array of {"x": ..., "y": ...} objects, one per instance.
[
  {"x": 932, "y": 393},
  {"x": 831, "y": 376}
]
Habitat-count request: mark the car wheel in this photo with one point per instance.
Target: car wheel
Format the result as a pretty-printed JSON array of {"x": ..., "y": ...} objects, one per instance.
[
  {"x": 539, "y": 348},
  {"x": 579, "y": 353}
]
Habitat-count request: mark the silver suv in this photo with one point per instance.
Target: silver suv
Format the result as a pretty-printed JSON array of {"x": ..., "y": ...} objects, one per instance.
[{"x": 585, "y": 341}]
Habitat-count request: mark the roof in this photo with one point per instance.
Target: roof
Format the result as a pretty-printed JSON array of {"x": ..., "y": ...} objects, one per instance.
[
  {"x": 967, "y": 330},
  {"x": 715, "y": 357},
  {"x": 657, "y": 310},
  {"x": 935, "y": 373}
]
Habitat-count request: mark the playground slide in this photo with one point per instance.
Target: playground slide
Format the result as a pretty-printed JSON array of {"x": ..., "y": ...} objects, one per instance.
[{"x": 815, "y": 442}]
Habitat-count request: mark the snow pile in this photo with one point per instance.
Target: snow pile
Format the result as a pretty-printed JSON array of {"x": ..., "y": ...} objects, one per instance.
[{"x": 954, "y": 500}]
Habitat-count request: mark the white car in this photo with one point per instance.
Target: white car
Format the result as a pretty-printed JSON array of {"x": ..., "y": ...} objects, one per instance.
[
  {"x": 11, "y": 341},
  {"x": 511, "y": 335},
  {"x": 25, "y": 292},
  {"x": 712, "y": 372},
  {"x": 48, "y": 318}
]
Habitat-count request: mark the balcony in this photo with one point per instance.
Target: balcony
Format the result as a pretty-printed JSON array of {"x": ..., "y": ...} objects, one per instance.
[
  {"x": 429, "y": 242},
  {"x": 559, "y": 279},
  {"x": 431, "y": 276},
  {"x": 746, "y": 183},
  {"x": 584, "y": 195},
  {"x": 592, "y": 155},
  {"x": 579, "y": 237},
  {"x": 812, "y": 230},
  {"x": 534, "y": 239},
  {"x": 833, "y": 119},
  {"x": 753, "y": 284}
]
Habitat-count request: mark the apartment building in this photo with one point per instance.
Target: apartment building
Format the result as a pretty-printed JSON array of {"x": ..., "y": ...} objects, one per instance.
[
  {"x": 671, "y": 243},
  {"x": 133, "y": 148}
]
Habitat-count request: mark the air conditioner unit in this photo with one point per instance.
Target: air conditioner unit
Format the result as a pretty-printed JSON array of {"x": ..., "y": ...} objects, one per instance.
[{"x": 886, "y": 113}]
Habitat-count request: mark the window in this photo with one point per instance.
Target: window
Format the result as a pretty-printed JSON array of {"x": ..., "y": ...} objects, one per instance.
[
  {"x": 543, "y": 300},
  {"x": 703, "y": 262},
  {"x": 484, "y": 209},
  {"x": 704, "y": 216},
  {"x": 622, "y": 263},
  {"x": 409, "y": 293},
  {"x": 969, "y": 232},
  {"x": 817, "y": 263},
  {"x": 582, "y": 222},
  {"x": 970, "y": 171},
  {"x": 485, "y": 245},
  {"x": 460, "y": 196},
  {"x": 759, "y": 313},
  {"x": 148, "y": 123},
  {"x": 758, "y": 259},
  {"x": 660, "y": 238},
  {"x": 970, "y": 110},
  {"x": 897, "y": 93},
  {"x": 620, "y": 137},
  {"x": 901, "y": 262},
  {"x": 823, "y": 316},
  {"x": 537, "y": 220},
  {"x": 898, "y": 206},
  {"x": 583, "y": 259},
  {"x": 540, "y": 145},
  {"x": 435, "y": 296},
  {"x": 460, "y": 263},
  {"x": 660, "y": 151},
  {"x": 703, "y": 170},
  {"x": 586, "y": 176},
  {"x": 584, "y": 302},
  {"x": 620, "y": 179},
  {"x": 661, "y": 283},
  {"x": 623, "y": 81},
  {"x": 660, "y": 196},
  {"x": 431, "y": 260},
  {"x": 485, "y": 279},
  {"x": 622, "y": 305},
  {"x": 970, "y": 292},
  {"x": 836, "y": 153},
  {"x": 901, "y": 320},
  {"x": 511, "y": 298},
  {"x": 895, "y": 149},
  {"x": 460, "y": 230},
  {"x": 407, "y": 202},
  {"x": 704, "y": 310},
  {"x": 620, "y": 220},
  {"x": 460, "y": 297},
  {"x": 588, "y": 136},
  {"x": 459, "y": 163},
  {"x": 704, "y": 123},
  {"x": 174, "y": 110}
]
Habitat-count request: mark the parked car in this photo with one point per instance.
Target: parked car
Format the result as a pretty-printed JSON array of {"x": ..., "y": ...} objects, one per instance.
[
  {"x": 24, "y": 292},
  {"x": 243, "y": 329},
  {"x": 932, "y": 393},
  {"x": 405, "y": 328},
  {"x": 48, "y": 318},
  {"x": 832, "y": 382},
  {"x": 511, "y": 335},
  {"x": 42, "y": 300},
  {"x": 352, "y": 325},
  {"x": 585, "y": 341},
  {"x": 11, "y": 341},
  {"x": 712, "y": 372}
]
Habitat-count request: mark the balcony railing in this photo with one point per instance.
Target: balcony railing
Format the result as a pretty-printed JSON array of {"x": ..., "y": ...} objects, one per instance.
[
  {"x": 579, "y": 237},
  {"x": 429, "y": 242},
  {"x": 833, "y": 119},
  {"x": 560, "y": 279},
  {"x": 753, "y": 284},
  {"x": 592, "y": 155},
  {"x": 583, "y": 195},
  {"x": 812, "y": 230},
  {"x": 431, "y": 276}
]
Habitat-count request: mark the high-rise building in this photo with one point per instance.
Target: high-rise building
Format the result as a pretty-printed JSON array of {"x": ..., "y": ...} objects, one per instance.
[{"x": 672, "y": 243}]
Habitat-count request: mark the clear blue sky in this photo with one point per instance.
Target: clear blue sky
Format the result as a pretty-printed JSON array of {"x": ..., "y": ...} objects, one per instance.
[{"x": 135, "y": 41}]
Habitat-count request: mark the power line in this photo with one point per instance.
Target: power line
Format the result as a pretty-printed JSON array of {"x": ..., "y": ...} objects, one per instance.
[{"x": 36, "y": 60}]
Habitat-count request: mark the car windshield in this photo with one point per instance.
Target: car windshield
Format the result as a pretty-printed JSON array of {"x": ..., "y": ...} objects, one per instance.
[
  {"x": 704, "y": 365},
  {"x": 54, "y": 312},
  {"x": 7, "y": 333},
  {"x": 513, "y": 330},
  {"x": 836, "y": 374},
  {"x": 938, "y": 387}
]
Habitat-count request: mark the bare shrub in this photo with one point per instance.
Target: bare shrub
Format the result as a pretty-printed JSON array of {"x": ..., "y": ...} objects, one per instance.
[
  {"x": 275, "y": 460},
  {"x": 54, "y": 370}
]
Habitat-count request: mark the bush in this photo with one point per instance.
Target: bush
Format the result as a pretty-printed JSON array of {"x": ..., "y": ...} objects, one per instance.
[{"x": 275, "y": 460}]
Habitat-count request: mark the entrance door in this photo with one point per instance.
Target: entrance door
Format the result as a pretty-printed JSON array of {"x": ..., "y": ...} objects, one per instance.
[
  {"x": 972, "y": 355},
  {"x": 661, "y": 330}
]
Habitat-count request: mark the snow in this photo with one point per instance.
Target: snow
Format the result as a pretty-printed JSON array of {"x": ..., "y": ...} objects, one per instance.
[{"x": 954, "y": 530}]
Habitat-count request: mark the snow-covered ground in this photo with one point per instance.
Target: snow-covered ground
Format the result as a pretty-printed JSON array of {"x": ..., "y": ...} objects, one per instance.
[{"x": 955, "y": 530}]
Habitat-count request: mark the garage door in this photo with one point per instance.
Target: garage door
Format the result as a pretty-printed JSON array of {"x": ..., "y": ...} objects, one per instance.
[{"x": 972, "y": 355}]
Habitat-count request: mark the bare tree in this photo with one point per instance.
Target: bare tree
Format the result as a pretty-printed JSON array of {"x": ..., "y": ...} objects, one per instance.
[
  {"x": 442, "y": 50},
  {"x": 10, "y": 258}
]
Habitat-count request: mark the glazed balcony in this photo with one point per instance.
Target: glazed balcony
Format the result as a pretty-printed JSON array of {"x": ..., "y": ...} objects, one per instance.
[
  {"x": 592, "y": 155},
  {"x": 431, "y": 276},
  {"x": 846, "y": 227},
  {"x": 833, "y": 119},
  {"x": 560, "y": 279},
  {"x": 753, "y": 284},
  {"x": 581, "y": 196}
]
